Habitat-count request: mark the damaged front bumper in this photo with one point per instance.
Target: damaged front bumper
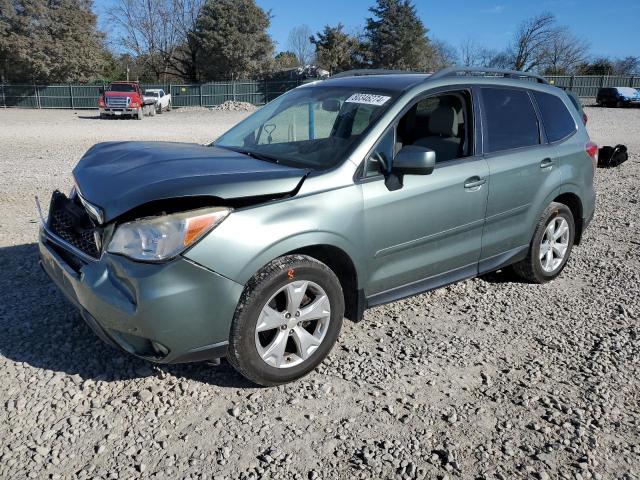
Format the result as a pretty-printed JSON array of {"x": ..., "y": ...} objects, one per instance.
[{"x": 173, "y": 312}]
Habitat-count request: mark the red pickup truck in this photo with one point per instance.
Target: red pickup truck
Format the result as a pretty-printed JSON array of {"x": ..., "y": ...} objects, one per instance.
[{"x": 124, "y": 99}]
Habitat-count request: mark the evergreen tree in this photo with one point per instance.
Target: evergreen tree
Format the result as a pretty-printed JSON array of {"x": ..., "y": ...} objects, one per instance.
[
  {"x": 50, "y": 41},
  {"x": 285, "y": 60},
  {"x": 234, "y": 42},
  {"x": 336, "y": 50},
  {"x": 396, "y": 37}
]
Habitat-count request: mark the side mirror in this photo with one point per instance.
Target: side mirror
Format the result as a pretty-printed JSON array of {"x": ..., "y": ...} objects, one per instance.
[
  {"x": 331, "y": 105},
  {"x": 414, "y": 160}
]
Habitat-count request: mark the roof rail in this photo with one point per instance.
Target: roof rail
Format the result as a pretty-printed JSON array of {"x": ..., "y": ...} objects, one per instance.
[
  {"x": 486, "y": 72},
  {"x": 371, "y": 71}
]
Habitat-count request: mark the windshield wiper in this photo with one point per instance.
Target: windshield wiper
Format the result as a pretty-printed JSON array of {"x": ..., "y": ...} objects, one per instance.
[{"x": 252, "y": 154}]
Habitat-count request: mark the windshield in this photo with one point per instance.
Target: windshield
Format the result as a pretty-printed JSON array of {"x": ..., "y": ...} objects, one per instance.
[
  {"x": 627, "y": 91},
  {"x": 313, "y": 126},
  {"x": 119, "y": 87}
]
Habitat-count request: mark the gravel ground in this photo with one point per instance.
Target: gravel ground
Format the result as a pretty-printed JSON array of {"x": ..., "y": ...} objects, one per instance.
[{"x": 486, "y": 379}]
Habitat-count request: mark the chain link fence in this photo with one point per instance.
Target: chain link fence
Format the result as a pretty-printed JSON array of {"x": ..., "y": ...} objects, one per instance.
[{"x": 257, "y": 92}]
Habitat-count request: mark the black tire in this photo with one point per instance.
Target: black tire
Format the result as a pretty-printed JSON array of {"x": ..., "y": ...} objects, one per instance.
[
  {"x": 243, "y": 353},
  {"x": 530, "y": 269}
]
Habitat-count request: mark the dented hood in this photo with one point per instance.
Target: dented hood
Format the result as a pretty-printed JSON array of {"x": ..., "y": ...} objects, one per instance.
[{"x": 120, "y": 176}]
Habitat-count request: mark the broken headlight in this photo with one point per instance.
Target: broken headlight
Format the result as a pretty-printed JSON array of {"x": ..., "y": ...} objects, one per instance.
[{"x": 157, "y": 239}]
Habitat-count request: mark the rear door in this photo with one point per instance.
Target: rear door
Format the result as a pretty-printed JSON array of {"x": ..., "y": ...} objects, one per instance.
[{"x": 523, "y": 172}]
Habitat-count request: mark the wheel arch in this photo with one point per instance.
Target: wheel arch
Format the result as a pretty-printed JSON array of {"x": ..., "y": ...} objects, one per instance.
[
  {"x": 343, "y": 266},
  {"x": 574, "y": 203}
]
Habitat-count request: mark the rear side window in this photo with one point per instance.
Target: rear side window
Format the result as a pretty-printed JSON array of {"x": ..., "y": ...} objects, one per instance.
[
  {"x": 558, "y": 122},
  {"x": 511, "y": 119}
]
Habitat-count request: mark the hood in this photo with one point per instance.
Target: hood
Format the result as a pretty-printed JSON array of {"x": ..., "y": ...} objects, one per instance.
[{"x": 120, "y": 176}]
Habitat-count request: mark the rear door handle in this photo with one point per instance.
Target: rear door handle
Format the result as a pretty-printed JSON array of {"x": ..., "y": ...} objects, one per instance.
[
  {"x": 474, "y": 182},
  {"x": 546, "y": 163}
]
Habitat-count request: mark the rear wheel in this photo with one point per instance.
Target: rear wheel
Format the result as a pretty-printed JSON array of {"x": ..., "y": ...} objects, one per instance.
[
  {"x": 550, "y": 247},
  {"x": 287, "y": 320}
]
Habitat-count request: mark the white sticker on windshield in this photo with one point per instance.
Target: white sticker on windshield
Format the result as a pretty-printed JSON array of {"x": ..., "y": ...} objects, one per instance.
[{"x": 367, "y": 98}]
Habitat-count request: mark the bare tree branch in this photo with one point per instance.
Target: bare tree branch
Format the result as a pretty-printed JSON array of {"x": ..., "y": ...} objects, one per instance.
[{"x": 300, "y": 44}]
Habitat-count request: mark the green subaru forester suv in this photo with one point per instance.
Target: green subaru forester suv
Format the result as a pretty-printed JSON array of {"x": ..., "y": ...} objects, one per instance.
[{"x": 335, "y": 197}]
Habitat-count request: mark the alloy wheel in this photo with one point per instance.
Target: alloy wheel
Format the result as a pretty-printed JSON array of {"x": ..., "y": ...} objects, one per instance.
[
  {"x": 292, "y": 324},
  {"x": 554, "y": 244}
]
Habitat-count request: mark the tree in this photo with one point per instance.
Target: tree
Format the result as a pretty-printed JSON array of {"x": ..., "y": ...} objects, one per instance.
[
  {"x": 600, "y": 66},
  {"x": 474, "y": 55},
  {"x": 161, "y": 33},
  {"x": 563, "y": 53},
  {"x": 234, "y": 42},
  {"x": 50, "y": 41},
  {"x": 396, "y": 37},
  {"x": 336, "y": 50},
  {"x": 627, "y": 66},
  {"x": 444, "y": 55},
  {"x": 299, "y": 43},
  {"x": 286, "y": 61},
  {"x": 531, "y": 42}
]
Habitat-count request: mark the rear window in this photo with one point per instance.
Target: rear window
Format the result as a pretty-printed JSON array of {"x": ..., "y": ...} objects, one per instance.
[
  {"x": 558, "y": 122},
  {"x": 511, "y": 119}
]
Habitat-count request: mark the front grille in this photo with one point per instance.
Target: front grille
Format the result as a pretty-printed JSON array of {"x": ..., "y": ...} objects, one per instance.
[
  {"x": 71, "y": 223},
  {"x": 118, "y": 102}
]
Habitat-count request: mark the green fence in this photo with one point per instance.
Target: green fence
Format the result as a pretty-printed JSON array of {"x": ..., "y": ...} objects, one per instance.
[
  {"x": 588, "y": 85},
  {"x": 256, "y": 92},
  {"x": 201, "y": 95}
]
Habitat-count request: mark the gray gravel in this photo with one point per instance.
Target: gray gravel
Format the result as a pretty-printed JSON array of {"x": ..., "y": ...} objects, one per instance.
[{"x": 486, "y": 379}]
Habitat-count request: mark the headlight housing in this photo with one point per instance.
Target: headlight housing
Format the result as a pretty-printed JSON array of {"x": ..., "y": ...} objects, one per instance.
[{"x": 157, "y": 239}]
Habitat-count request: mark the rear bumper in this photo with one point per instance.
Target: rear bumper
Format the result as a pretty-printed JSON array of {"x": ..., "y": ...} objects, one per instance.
[{"x": 166, "y": 313}]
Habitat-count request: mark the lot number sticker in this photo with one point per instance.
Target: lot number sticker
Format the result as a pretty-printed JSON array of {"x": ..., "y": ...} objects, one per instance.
[{"x": 367, "y": 99}]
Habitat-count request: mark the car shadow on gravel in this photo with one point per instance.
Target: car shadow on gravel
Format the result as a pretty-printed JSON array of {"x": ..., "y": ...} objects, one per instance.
[
  {"x": 505, "y": 275},
  {"x": 42, "y": 329}
]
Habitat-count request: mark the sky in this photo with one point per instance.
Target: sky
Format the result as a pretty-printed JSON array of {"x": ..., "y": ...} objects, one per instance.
[{"x": 612, "y": 27}]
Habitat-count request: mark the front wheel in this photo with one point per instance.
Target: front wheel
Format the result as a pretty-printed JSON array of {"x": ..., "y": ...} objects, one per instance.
[
  {"x": 287, "y": 320},
  {"x": 550, "y": 247}
]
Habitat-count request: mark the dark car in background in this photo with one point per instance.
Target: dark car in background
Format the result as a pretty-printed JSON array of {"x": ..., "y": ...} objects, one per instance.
[{"x": 618, "y": 97}]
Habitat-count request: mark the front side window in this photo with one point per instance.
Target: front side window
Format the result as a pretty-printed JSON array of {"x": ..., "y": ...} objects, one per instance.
[
  {"x": 511, "y": 120},
  {"x": 379, "y": 161},
  {"x": 558, "y": 122},
  {"x": 314, "y": 126},
  {"x": 442, "y": 123}
]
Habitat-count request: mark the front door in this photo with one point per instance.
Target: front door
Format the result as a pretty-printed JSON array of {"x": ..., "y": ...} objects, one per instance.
[{"x": 428, "y": 232}]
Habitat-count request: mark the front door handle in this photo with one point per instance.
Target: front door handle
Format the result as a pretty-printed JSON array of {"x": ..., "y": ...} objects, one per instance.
[
  {"x": 474, "y": 183},
  {"x": 546, "y": 163}
]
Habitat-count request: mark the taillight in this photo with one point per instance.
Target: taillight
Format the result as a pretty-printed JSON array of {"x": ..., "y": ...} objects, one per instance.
[{"x": 592, "y": 150}]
